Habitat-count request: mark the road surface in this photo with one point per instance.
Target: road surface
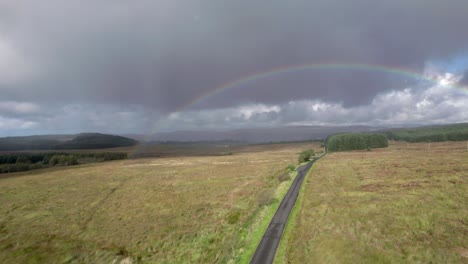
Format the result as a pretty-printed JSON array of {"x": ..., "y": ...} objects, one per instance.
[{"x": 266, "y": 250}]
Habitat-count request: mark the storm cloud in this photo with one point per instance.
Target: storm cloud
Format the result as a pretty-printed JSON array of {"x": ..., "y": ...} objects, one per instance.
[
  {"x": 464, "y": 80},
  {"x": 88, "y": 64}
]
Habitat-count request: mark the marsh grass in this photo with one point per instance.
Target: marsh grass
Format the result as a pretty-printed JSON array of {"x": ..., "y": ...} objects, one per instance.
[
  {"x": 198, "y": 209},
  {"x": 404, "y": 204}
]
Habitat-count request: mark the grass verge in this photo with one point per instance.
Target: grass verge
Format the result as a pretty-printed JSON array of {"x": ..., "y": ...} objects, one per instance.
[
  {"x": 280, "y": 256},
  {"x": 261, "y": 219}
]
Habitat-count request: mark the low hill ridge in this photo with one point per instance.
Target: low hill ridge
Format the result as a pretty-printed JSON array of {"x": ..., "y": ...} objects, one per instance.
[{"x": 61, "y": 142}]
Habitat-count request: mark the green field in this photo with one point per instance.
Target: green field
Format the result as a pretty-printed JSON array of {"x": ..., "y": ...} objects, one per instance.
[
  {"x": 194, "y": 209},
  {"x": 404, "y": 204}
]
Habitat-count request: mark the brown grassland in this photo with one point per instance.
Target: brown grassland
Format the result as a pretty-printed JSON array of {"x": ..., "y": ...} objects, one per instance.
[
  {"x": 404, "y": 204},
  {"x": 193, "y": 209}
]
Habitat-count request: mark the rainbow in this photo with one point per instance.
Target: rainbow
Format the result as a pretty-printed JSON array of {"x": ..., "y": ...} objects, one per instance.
[
  {"x": 311, "y": 67},
  {"x": 245, "y": 80}
]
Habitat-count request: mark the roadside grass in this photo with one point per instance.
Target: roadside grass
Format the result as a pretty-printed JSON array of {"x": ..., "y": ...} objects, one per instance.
[
  {"x": 404, "y": 204},
  {"x": 262, "y": 217},
  {"x": 280, "y": 256},
  {"x": 198, "y": 209}
]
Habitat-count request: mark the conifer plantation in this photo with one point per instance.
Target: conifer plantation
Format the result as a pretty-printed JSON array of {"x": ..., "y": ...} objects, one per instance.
[{"x": 356, "y": 141}]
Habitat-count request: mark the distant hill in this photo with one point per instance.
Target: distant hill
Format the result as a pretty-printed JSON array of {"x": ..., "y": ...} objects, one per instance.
[
  {"x": 62, "y": 142},
  {"x": 255, "y": 135},
  {"x": 306, "y": 133}
]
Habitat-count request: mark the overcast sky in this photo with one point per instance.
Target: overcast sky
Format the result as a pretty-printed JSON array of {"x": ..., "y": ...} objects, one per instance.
[{"x": 120, "y": 66}]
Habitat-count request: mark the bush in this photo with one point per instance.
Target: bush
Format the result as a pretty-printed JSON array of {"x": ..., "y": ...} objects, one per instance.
[
  {"x": 71, "y": 160},
  {"x": 63, "y": 160},
  {"x": 9, "y": 168},
  {"x": 290, "y": 168},
  {"x": 306, "y": 155},
  {"x": 22, "y": 159},
  {"x": 233, "y": 217},
  {"x": 54, "y": 160}
]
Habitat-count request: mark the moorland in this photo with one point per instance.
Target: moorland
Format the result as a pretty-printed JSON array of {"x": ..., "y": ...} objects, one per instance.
[
  {"x": 173, "y": 209},
  {"x": 403, "y": 204}
]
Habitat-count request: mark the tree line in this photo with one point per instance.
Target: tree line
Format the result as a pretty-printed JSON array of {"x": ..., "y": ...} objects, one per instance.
[
  {"x": 355, "y": 141},
  {"x": 456, "y": 132},
  {"x": 29, "y": 161}
]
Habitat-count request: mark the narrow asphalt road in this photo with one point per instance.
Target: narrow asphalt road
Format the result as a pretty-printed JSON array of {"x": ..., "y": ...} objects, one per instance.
[{"x": 266, "y": 250}]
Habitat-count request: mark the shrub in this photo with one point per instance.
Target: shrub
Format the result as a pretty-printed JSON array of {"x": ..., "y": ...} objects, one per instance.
[
  {"x": 266, "y": 197},
  {"x": 63, "y": 160},
  {"x": 22, "y": 159},
  {"x": 45, "y": 160},
  {"x": 306, "y": 155},
  {"x": 233, "y": 217},
  {"x": 291, "y": 168},
  {"x": 71, "y": 160},
  {"x": 54, "y": 160},
  {"x": 8, "y": 168}
]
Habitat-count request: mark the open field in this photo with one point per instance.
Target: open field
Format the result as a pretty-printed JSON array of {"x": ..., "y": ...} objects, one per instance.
[
  {"x": 200, "y": 149},
  {"x": 156, "y": 150},
  {"x": 201, "y": 209},
  {"x": 404, "y": 204}
]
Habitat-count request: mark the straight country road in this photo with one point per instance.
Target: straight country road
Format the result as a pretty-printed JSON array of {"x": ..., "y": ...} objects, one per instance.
[{"x": 266, "y": 250}]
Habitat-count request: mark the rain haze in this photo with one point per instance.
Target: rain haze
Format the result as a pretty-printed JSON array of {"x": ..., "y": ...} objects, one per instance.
[{"x": 157, "y": 66}]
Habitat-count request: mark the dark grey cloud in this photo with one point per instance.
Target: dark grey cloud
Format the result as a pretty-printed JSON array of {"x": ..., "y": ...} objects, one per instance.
[
  {"x": 464, "y": 80},
  {"x": 437, "y": 104},
  {"x": 160, "y": 55}
]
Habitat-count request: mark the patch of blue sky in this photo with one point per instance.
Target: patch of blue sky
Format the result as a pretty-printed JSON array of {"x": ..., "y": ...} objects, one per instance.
[{"x": 456, "y": 65}]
